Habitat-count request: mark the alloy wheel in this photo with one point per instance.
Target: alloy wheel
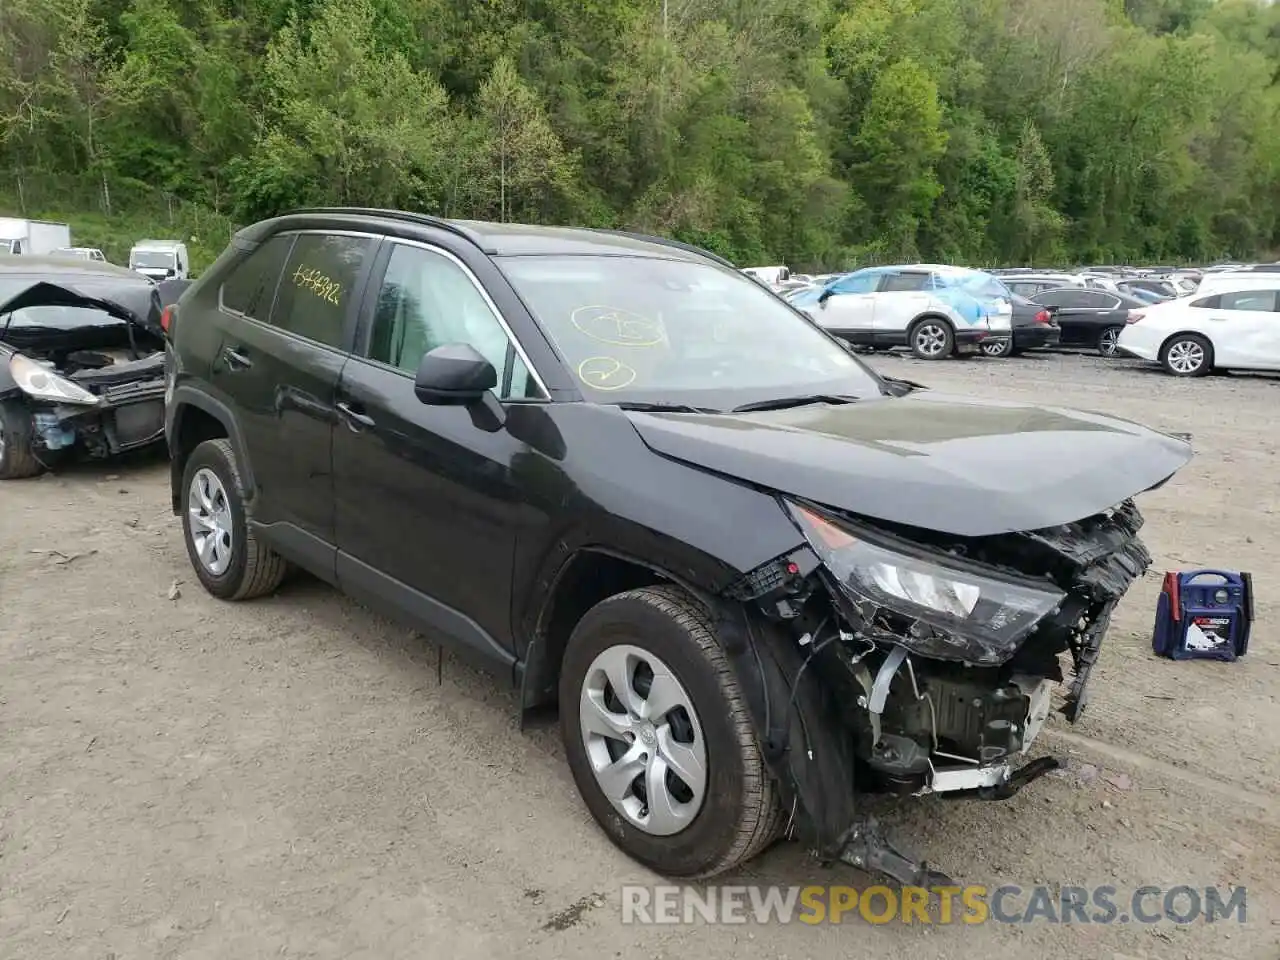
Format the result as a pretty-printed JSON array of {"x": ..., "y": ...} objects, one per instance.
[
  {"x": 211, "y": 522},
  {"x": 930, "y": 339},
  {"x": 1186, "y": 356},
  {"x": 999, "y": 349},
  {"x": 1107, "y": 342},
  {"x": 2, "y": 442},
  {"x": 643, "y": 740}
]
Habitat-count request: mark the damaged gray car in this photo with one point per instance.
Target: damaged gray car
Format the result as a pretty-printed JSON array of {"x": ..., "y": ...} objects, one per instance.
[{"x": 81, "y": 364}]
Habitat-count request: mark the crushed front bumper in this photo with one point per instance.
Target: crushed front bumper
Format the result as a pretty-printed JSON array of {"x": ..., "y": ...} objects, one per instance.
[{"x": 127, "y": 416}]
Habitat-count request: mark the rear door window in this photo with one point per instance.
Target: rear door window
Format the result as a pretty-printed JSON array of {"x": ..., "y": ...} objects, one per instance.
[
  {"x": 251, "y": 287},
  {"x": 1256, "y": 300},
  {"x": 1063, "y": 298},
  {"x": 856, "y": 283},
  {"x": 319, "y": 281},
  {"x": 904, "y": 281}
]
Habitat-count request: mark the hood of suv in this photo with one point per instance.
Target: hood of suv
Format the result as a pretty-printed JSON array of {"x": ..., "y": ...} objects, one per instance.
[{"x": 952, "y": 465}]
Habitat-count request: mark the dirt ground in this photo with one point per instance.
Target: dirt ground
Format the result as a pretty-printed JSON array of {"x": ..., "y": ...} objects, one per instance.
[{"x": 181, "y": 777}]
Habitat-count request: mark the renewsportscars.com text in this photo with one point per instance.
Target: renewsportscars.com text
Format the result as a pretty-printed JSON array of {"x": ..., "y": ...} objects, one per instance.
[{"x": 936, "y": 905}]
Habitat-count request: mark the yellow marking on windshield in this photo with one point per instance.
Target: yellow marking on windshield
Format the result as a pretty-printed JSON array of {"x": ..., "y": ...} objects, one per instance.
[
  {"x": 617, "y": 327},
  {"x": 605, "y": 373},
  {"x": 313, "y": 281}
]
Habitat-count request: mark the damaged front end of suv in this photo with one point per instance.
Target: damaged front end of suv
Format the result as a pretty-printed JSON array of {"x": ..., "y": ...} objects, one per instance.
[
  {"x": 82, "y": 371},
  {"x": 916, "y": 662}
]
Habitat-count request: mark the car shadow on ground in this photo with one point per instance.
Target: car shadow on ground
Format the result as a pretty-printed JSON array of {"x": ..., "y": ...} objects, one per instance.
[{"x": 143, "y": 459}]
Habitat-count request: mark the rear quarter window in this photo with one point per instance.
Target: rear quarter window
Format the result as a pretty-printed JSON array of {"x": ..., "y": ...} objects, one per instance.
[{"x": 250, "y": 288}]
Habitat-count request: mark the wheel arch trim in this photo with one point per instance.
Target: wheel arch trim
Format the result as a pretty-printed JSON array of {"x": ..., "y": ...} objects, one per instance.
[{"x": 184, "y": 398}]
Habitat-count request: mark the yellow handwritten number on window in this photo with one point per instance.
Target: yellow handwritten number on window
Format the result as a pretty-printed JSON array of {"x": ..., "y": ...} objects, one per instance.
[{"x": 313, "y": 281}]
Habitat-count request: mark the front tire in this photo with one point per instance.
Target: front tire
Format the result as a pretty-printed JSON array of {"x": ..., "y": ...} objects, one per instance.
[
  {"x": 17, "y": 458},
  {"x": 1187, "y": 355},
  {"x": 931, "y": 339},
  {"x": 230, "y": 560},
  {"x": 659, "y": 739}
]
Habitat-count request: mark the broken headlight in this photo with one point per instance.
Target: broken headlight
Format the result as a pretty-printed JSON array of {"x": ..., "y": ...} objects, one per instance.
[
  {"x": 42, "y": 383},
  {"x": 958, "y": 613}
]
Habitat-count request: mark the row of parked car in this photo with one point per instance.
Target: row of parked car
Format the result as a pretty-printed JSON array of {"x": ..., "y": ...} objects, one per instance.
[{"x": 1189, "y": 321}]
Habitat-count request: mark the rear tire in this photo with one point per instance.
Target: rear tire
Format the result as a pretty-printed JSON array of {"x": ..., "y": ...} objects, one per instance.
[
  {"x": 230, "y": 560},
  {"x": 737, "y": 813},
  {"x": 1001, "y": 348},
  {"x": 931, "y": 338},
  {"x": 1187, "y": 355},
  {"x": 17, "y": 458},
  {"x": 1107, "y": 341}
]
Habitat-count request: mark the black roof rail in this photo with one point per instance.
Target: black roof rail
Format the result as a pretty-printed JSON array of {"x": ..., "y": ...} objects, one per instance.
[
  {"x": 423, "y": 219},
  {"x": 666, "y": 242}
]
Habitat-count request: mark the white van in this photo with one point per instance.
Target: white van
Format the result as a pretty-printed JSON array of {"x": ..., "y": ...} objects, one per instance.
[
  {"x": 771, "y": 276},
  {"x": 160, "y": 259}
]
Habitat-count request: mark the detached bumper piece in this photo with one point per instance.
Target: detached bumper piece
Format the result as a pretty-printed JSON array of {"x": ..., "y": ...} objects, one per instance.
[{"x": 868, "y": 848}]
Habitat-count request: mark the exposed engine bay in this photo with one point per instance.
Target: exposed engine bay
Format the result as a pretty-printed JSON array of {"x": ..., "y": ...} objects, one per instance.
[
  {"x": 89, "y": 370},
  {"x": 916, "y": 662}
]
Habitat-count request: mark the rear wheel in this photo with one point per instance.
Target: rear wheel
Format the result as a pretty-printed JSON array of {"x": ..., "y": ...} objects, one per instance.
[
  {"x": 998, "y": 348},
  {"x": 1107, "y": 341},
  {"x": 1187, "y": 355},
  {"x": 230, "y": 560},
  {"x": 931, "y": 339},
  {"x": 17, "y": 459},
  {"x": 658, "y": 736}
]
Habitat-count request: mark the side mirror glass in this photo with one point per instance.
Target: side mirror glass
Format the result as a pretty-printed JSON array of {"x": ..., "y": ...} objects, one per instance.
[{"x": 455, "y": 373}]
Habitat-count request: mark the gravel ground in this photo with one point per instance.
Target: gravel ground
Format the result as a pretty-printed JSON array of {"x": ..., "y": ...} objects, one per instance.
[{"x": 185, "y": 778}]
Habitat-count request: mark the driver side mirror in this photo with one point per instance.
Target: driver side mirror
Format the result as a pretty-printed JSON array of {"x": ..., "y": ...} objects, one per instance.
[
  {"x": 455, "y": 373},
  {"x": 825, "y": 295}
]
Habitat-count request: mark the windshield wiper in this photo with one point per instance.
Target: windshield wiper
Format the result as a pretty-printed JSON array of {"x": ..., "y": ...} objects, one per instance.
[
  {"x": 782, "y": 403},
  {"x": 640, "y": 407}
]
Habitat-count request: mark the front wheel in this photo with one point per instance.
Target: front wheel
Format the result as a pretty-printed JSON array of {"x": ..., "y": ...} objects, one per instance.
[
  {"x": 17, "y": 459},
  {"x": 659, "y": 739},
  {"x": 932, "y": 339},
  {"x": 1187, "y": 355},
  {"x": 1107, "y": 341}
]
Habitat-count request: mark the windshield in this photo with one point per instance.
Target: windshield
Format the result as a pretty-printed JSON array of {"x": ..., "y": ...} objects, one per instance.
[
  {"x": 640, "y": 329},
  {"x": 151, "y": 259}
]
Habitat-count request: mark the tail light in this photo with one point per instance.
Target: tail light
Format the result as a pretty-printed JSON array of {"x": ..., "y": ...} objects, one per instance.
[
  {"x": 166, "y": 319},
  {"x": 1134, "y": 316},
  {"x": 1043, "y": 317}
]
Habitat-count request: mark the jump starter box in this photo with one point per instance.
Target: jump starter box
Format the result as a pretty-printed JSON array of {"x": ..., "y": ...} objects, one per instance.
[{"x": 1203, "y": 615}]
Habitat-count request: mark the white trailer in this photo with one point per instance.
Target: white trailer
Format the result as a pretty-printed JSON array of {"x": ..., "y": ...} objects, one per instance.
[{"x": 21, "y": 237}]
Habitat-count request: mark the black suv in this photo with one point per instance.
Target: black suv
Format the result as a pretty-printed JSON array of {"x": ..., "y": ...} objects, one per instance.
[{"x": 759, "y": 579}]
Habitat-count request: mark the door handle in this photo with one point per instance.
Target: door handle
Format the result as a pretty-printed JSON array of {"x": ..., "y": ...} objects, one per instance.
[
  {"x": 1218, "y": 319},
  {"x": 235, "y": 359},
  {"x": 355, "y": 420}
]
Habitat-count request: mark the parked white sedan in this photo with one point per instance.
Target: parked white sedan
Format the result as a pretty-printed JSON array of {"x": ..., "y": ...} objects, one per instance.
[{"x": 1194, "y": 335}]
